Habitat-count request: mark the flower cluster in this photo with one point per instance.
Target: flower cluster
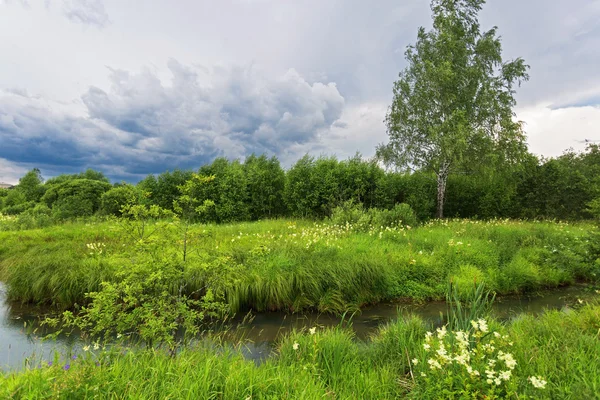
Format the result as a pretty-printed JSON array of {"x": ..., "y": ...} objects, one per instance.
[
  {"x": 537, "y": 382},
  {"x": 95, "y": 248},
  {"x": 476, "y": 360},
  {"x": 7, "y": 218}
]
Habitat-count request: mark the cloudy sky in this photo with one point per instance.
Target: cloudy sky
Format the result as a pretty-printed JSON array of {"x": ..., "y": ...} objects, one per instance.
[{"x": 136, "y": 87}]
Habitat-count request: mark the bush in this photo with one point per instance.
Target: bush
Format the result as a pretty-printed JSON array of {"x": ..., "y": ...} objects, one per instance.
[
  {"x": 39, "y": 216},
  {"x": 14, "y": 202},
  {"x": 75, "y": 198},
  {"x": 401, "y": 214},
  {"x": 354, "y": 213},
  {"x": 112, "y": 202},
  {"x": 145, "y": 302},
  {"x": 350, "y": 212},
  {"x": 18, "y": 208}
]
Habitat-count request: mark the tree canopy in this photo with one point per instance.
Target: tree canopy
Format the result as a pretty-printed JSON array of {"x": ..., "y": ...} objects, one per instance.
[{"x": 452, "y": 106}]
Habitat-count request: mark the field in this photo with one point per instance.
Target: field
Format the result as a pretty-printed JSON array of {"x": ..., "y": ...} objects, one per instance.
[{"x": 294, "y": 264}]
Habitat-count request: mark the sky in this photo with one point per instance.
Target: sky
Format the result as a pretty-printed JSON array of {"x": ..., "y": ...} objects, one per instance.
[{"x": 138, "y": 87}]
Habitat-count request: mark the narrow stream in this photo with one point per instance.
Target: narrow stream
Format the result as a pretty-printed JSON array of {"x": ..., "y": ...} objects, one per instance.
[{"x": 263, "y": 329}]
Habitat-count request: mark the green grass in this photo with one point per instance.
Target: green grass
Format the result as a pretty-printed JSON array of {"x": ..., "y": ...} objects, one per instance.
[
  {"x": 294, "y": 265},
  {"x": 561, "y": 347}
]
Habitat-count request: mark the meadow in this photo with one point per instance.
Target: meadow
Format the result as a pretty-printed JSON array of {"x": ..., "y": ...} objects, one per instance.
[{"x": 296, "y": 264}]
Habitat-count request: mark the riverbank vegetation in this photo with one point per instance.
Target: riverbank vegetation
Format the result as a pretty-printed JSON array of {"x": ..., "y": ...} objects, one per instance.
[
  {"x": 296, "y": 264},
  {"x": 553, "y": 356}
]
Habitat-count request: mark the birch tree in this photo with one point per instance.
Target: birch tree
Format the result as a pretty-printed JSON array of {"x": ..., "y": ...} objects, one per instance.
[{"x": 453, "y": 103}]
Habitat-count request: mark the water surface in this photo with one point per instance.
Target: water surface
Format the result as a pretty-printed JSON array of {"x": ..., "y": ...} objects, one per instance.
[{"x": 20, "y": 332}]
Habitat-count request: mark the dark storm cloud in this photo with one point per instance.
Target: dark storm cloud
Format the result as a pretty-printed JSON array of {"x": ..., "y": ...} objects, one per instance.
[
  {"x": 140, "y": 125},
  {"x": 134, "y": 123}
]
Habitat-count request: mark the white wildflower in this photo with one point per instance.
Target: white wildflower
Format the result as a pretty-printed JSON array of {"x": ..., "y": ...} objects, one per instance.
[
  {"x": 441, "y": 332},
  {"x": 433, "y": 364},
  {"x": 505, "y": 375},
  {"x": 537, "y": 382},
  {"x": 483, "y": 325}
]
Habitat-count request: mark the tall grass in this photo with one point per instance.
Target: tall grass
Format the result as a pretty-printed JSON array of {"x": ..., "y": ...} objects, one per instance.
[
  {"x": 561, "y": 347},
  {"x": 295, "y": 264},
  {"x": 467, "y": 306}
]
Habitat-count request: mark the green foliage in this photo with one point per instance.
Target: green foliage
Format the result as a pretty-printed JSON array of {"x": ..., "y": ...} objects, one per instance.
[
  {"x": 300, "y": 193},
  {"x": 164, "y": 189},
  {"x": 452, "y": 106},
  {"x": 3, "y": 194},
  {"x": 88, "y": 174},
  {"x": 559, "y": 348},
  {"x": 295, "y": 264},
  {"x": 315, "y": 187},
  {"x": 351, "y": 212},
  {"x": 31, "y": 185},
  {"x": 189, "y": 208},
  {"x": 113, "y": 201},
  {"x": 556, "y": 188},
  {"x": 145, "y": 303},
  {"x": 141, "y": 223},
  {"x": 75, "y": 197},
  {"x": 466, "y": 304},
  {"x": 401, "y": 215},
  {"x": 39, "y": 216},
  {"x": 15, "y": 202},
  {"x": 188, "y": 205},
  {"x": 594, "y": 208},
  {"x": 360, "y": 219},
  {"x": 265, "y": 184},
  {"x": 228, "y": 191}
]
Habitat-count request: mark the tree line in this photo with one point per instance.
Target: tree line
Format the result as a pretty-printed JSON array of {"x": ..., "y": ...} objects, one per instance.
[{"x": 258, "y": 188}]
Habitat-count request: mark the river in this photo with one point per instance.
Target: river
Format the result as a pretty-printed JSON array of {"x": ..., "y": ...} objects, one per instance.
[{"x": 19, "y": 342}]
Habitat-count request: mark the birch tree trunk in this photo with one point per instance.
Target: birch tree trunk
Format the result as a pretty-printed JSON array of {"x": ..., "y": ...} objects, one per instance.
[{"x": 442, "y": 178}]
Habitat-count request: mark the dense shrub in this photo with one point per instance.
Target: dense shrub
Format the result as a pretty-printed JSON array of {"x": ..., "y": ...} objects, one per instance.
[
  {"x": 228, "y": 191},
  {"x": 15, "y": 202},
  {"x": 112, "y": 201},
  {"x": 75, "y": 198},
  {"x": 355, "y": 214},
  {"x": 31, "y": 185},
  {"x": 557, "y": 188},
  {"x": 401, "y": 214},
  {"x": 265, "y": 181},
  {"x": 164, "y": 189},
  {"x": 39, "y": 216}
]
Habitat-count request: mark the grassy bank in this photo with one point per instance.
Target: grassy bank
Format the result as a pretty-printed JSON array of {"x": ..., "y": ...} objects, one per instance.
[
  {"x": 288, "y": 264},
  {"x": 558, "y": 348}
]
